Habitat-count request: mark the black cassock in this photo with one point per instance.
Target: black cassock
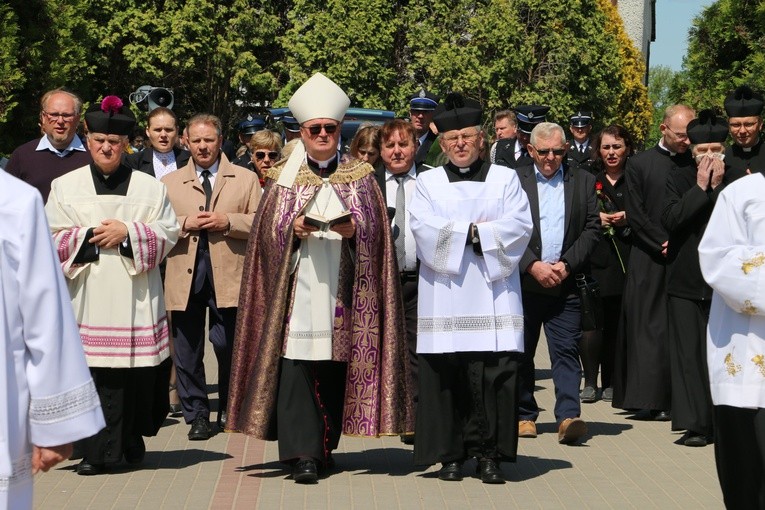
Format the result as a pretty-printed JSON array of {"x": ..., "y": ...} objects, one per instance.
[
  {"x": 686, "y": 213},
  {"x": 468, "y": 401},
  {"x": 641, "y": 371},
  {"x": 739, "y": 160},
  {"x": 135, "y": 401}
]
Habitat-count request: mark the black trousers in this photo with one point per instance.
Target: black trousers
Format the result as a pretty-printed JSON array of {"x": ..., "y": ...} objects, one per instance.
[
  {"x": 135, "y": 403},
  {"x": 189, "y": 344},
  {"x": 468, "y": 407},
  {"x": 740, "y": 456},
  {"x": 409, "y": 293},
  {"x": 309, "y": 408},
  {"x": 691, "y": 398}
]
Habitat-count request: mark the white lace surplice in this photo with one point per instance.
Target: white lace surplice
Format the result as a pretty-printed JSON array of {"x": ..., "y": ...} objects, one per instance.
[{"x": 318, "y": 270}]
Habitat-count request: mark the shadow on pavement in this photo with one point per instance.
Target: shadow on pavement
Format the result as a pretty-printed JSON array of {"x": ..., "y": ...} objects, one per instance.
[{"x": 178, "y": 459}]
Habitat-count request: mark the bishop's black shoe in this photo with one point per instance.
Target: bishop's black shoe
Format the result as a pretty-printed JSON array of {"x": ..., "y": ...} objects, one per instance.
[
  {"x": 451, "y": 471},
  {"x": 489, "y": 471},
  {"x": 304, "y": 471}
]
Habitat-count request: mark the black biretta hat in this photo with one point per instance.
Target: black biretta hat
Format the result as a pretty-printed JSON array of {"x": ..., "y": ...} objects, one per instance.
[
  {"x": 111, "y": 117},
  {"x": 457, "y": 112},
  {"x": 743, "y": 102},
  {"x": 707, "y": 128}
]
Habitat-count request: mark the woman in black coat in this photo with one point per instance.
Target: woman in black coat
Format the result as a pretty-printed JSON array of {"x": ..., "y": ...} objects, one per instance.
[{"x": 611, "y": 148}]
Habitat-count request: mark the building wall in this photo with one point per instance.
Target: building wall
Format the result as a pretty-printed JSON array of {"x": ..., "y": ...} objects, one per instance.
[{"x": 637, "y": 16}]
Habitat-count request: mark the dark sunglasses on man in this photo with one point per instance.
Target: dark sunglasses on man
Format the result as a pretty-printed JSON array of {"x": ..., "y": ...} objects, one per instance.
[
  {"x": 316, "y": 128},
  {"x": 545, "y": 152},
  {"x": 261, "y": 155}
]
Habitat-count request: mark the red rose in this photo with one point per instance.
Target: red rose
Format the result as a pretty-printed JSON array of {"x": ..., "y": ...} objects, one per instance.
[{"x": 598, "y": 186}]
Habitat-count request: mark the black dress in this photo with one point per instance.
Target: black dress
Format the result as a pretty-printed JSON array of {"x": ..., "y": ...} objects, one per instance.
[{"x": 608, "y": 265}]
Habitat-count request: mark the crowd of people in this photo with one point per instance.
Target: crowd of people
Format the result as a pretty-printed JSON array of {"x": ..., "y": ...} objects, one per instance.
[{"x": 398, "y": 289}]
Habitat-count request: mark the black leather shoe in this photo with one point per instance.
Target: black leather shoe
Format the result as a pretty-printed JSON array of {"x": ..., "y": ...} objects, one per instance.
[
  {"x": 200, "y": 429},
  {"x": 222, "y": 419},
  {"x": 694, "y": 439},
  {"x": 489, "y": 471},
  {"x": 135, "y": 450},
  {"x": 407, "y": 439},
  {"x": 85, "y": 468},
  {"x": 304, "y": 471},
  {"x": 451, "y": 472},
  {"x": 661, "y": 415}
]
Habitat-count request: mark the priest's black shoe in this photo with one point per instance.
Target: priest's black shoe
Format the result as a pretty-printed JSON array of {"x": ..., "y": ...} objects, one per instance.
[
  {"x": 304, "y": 471},
  {"x": 135, "y": 450},
  {"x": 489, "y": 471},
  {"x": 661, "y": 415},
  {"x": 85, "y": 468},
  {"x": 200, "y": 429},
  {"x": 694, "y": 439},
  {"x": 451, "y": 471}
]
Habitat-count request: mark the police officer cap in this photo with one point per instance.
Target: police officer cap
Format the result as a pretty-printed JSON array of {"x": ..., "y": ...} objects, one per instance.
[
  {"x": 743, "y": 102},
  {"x": 423, "y": 100},
  {"x": 457, "y": 112},
  {"x": 290, "y": 124},
  {"x": 581, "y": 118},
  {"x": 110, "y": 117},
  {"x": 707, "y": 128},
  {"x": 252, "y": 124},
  {"x": 529, "y": 116}
]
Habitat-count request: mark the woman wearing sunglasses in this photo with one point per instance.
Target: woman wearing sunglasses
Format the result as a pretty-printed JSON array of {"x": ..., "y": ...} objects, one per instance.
[{"x": 265, "y": 147}]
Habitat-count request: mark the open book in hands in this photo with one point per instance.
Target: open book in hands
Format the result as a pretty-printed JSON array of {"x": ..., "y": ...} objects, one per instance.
[{"x": 323, "y": 223}]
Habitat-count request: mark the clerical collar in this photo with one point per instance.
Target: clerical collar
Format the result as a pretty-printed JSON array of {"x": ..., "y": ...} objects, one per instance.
[
  {"x": 213, "y": 168},
  {"x": 664, "y": 148},
  {"x": 322, "y": 168},
  {"x": 74, "y": 145},
  {"x": 465, "y": 174},
  {"x": 116, "y": 183},
  {"x": 749, "y": 149}
]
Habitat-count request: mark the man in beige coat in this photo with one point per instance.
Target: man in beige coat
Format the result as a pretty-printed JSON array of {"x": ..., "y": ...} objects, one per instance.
[{"x": 215, "y": 202}]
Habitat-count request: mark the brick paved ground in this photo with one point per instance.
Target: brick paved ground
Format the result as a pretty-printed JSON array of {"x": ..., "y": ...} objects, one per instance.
[{"x": 622, "y": 463}]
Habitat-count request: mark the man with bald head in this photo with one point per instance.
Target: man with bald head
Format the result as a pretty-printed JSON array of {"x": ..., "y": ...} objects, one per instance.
[
  {"x": 642, "y": 374},
  {"x": 59, "y": 151}
]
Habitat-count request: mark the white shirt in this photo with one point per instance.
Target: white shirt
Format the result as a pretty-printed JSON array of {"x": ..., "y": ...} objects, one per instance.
[
  {"x": 391, "y": 188},
  {"x": 213, "y": 172},
  {"x": 74, "y": 145},
  {"x": 163, "y": 163}
]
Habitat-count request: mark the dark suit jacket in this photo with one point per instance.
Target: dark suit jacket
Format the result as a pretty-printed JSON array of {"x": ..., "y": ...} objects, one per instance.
[
  {"x": 421, "y": 155},
  {"x": 505, "y": 154},
  {"x": 582, "y": 233},
  {"x": 143, "y": 161}
]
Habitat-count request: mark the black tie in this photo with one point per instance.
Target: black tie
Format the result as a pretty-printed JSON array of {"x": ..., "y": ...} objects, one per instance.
[{"x": 207, "y": 187}]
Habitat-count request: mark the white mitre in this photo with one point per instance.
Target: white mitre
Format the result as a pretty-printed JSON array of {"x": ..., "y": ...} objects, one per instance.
[{"x": 317, "y": 98}]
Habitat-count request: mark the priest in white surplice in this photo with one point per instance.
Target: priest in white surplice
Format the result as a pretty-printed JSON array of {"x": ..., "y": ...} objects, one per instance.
[
  {"x": 112, "y": 227},
  {"x": 732, "y": 259},
  {"x": 49, "y": 397},
  {"x": 471, "y": 221}
]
